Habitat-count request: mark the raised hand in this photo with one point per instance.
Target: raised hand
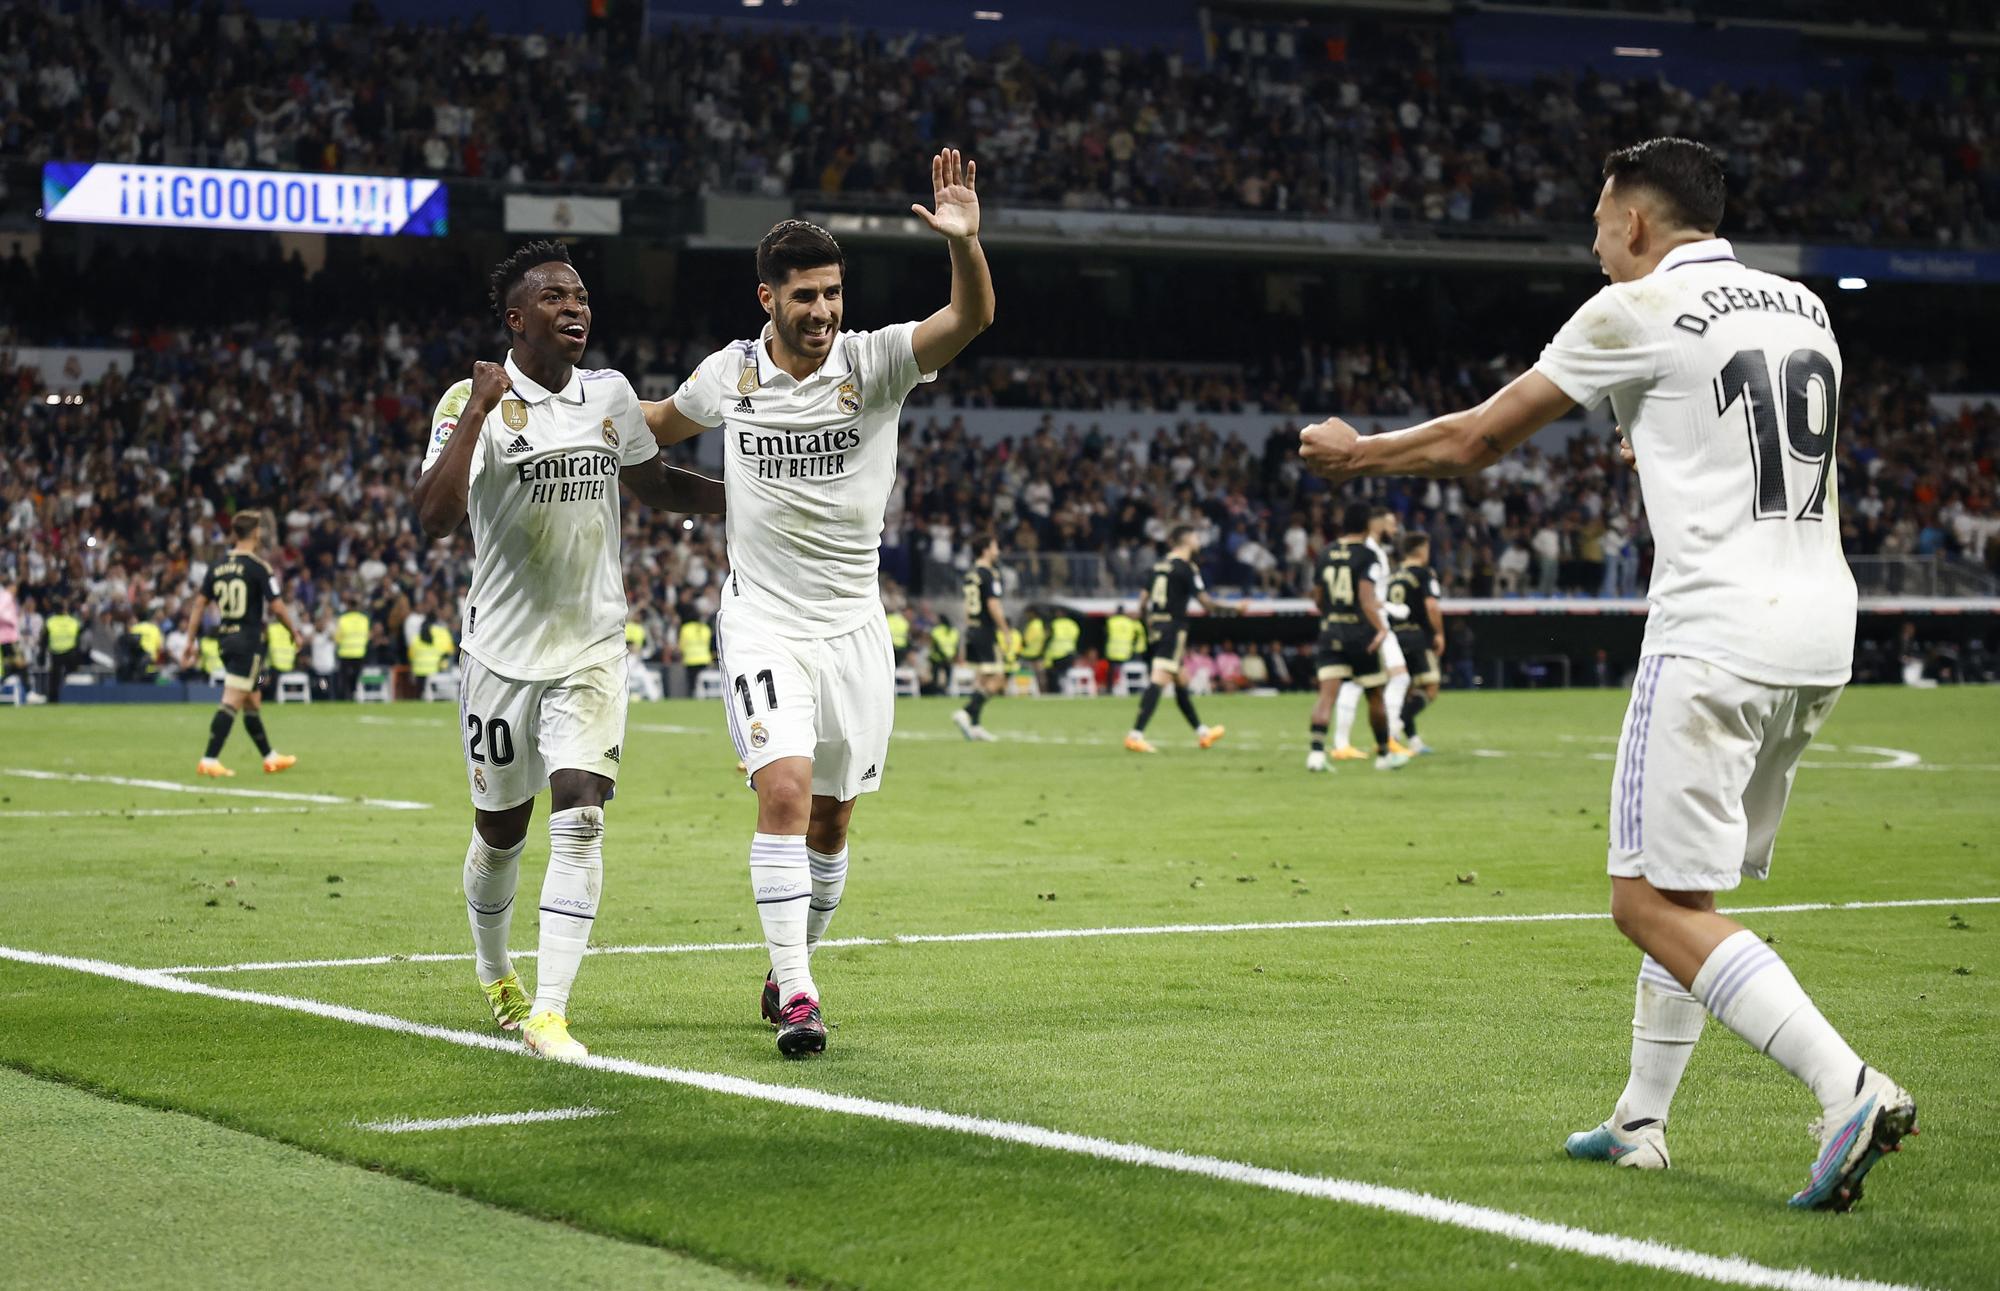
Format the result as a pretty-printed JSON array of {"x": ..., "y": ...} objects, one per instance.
[
  {"x": 1328, "y": 449},
  {"x": 957, "y": 213}
]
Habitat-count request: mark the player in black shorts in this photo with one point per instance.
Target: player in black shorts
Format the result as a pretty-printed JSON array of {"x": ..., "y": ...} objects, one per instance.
[
  {"x": 1351, "y": 628},
  {"x": 985, "y": 629},
  {"x": 242, "y": 588},
  {"x": 1176, "y": 581},
  {"x": 1421, "y": 634}
]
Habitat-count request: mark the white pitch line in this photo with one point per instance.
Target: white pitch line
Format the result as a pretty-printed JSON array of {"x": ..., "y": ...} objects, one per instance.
[
  {"x": 174, "y": 786},
  {"x": 1891, "y": 759},
  {"x": 161, "y": 811},
  {"x": 1065, "y": 934},
  {"x": 1641, "y": 1252},
  {"x": 402, "y": 1126}
]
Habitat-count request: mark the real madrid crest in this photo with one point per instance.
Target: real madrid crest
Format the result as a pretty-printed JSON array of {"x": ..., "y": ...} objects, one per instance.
[
  {"x": 479, "y": 779},
  {"x": 747, "y": 383},
  {"x": 610, "y": 434},
  {"x": 850, "y": 398},
  {"x": 759, "y": 737},
  {"x": 515, "y": 413}
]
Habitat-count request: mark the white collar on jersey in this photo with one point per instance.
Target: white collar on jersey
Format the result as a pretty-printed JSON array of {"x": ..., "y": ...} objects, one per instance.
[
  {"x": 1703, "y": 252},
  {"x": 529, "y": 391},
  {"x": 837, "y": 363}
]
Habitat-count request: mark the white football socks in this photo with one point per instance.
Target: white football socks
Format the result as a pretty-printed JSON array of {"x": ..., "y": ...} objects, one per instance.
[
  {"x": 1747, "y": 987},
  {"x": 491, "y": 874},
  {"x": 1343, "y": 714},
  {"x": 1666, "y": 1021},
  {"x": 781, "y": 882},
  {"x": 569, "y": 902},
  {"x": 829, "y": 879},
  {"x": 1399, "y": 686}
]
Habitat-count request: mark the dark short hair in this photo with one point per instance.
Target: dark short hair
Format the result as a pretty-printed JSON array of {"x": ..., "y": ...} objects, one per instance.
[
  {"x": 246, "y": 523},
  {"x": 792, "y": 245},
  {"x": 1354, "y": 517},
  {"x": 1414, "y": 543},
  {"x": 1685, "y": 175},
  {"x": 1376, "y": 513},
  {"x": 509, "y": 272},
  {"x": 1178, "y": 534},
  {"x": 982, "y": 540}
]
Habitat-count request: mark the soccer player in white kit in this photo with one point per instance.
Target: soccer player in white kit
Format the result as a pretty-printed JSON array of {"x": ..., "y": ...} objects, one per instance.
[
  {"x": 1726, "y": 382},
  {"x": 1382, "y": 530},
  {"x": 533, "y": 451},
  {"x": 810, "y": 416}
]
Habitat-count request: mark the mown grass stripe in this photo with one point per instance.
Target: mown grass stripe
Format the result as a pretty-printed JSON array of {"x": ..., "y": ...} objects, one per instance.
[{"x": 1639, "y": 1252}]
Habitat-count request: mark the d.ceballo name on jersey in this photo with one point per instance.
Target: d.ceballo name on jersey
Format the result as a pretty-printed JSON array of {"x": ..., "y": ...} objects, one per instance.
[{"x": 1726, "y": 380}]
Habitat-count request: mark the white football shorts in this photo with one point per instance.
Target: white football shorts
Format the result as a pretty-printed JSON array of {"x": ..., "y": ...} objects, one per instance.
[
  {"x": 830, "y": 699},
  {"x": 1705, "y": 765},
  {"x": 1392, "y": 653},
  {"x": 515, "y": 733}
]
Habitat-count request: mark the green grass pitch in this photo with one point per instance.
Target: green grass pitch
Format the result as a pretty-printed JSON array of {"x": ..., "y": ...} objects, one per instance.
[{"x": 1447, "y": 1059}]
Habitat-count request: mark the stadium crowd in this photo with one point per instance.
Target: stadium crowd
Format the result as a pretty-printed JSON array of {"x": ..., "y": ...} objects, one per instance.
[
  {"x": 1395, "y": 131},
  {"x": 112, "y": 499}
]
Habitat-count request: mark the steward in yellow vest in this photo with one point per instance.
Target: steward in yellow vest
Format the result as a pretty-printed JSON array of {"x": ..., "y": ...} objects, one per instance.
[
  {"x": 424, "y": 655},
  {"x": 944, "y": 651},
  {"x": 281, "y": 651},
  {"x": 149, "y": 640},
  {"x": 1124, "y": 636},
  {"x": 350, "y": 635},
  {"x": 1064, "y": 634},
  {"x": 899, "y": 632},
  {"x": 64, "y": 632},
  {"x": 697, "y": 644},
  {"x": 1034, "y": 639}
]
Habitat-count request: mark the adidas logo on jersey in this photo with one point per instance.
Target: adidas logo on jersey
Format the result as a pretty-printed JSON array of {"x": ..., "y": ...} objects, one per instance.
[
  {"x": 520, "y": 445},
  {"x": 611, "y": 754},
  {"x": 869, "y": 774},
  {"x": 744, "y": 405}
]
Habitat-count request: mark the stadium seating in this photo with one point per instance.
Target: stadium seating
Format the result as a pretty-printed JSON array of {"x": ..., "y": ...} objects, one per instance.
[{"x": 1396, "y": 130}]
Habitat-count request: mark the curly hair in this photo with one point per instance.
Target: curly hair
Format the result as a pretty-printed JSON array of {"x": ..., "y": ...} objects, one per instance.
[{"x": 515, "y": 267}]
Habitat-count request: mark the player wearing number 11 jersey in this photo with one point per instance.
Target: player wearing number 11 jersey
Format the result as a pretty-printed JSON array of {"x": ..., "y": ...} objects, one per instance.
[
  {"x": 809, "y": 416},
  {"x": 1726, "y": 381}
]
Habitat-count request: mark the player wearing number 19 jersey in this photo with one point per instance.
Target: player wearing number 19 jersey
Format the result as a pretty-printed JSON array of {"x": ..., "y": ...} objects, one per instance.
[
  {"x": 1726, "y": 382},
  {"x": 809, "y": 416},
  {"x": 533, "y": 453}
]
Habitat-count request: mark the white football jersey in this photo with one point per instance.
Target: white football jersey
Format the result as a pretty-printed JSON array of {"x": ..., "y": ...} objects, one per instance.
[
  {"x": 1727, "y": 382},
  {"x": 548, "y": 593},
  {"x": 807, "y": 467},
  {"x": 1384, "y": 569}
]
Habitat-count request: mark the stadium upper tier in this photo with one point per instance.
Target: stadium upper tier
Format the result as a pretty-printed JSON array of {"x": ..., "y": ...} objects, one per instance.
[{"x": 1395, "y": 132}]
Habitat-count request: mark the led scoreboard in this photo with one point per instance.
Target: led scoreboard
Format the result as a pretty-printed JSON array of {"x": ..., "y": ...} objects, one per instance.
[{"x": 192, "y": 197}]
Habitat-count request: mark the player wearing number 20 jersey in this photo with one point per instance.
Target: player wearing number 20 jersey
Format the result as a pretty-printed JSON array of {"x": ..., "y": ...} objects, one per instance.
[
  {"x": 1726, "y": 382},
  {"x": 533, "y": 452}
]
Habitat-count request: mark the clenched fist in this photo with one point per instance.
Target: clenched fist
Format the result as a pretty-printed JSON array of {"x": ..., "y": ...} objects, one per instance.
[
  {"x": 489, "y": 382},
  {"x": 1327, "y": 448}
]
